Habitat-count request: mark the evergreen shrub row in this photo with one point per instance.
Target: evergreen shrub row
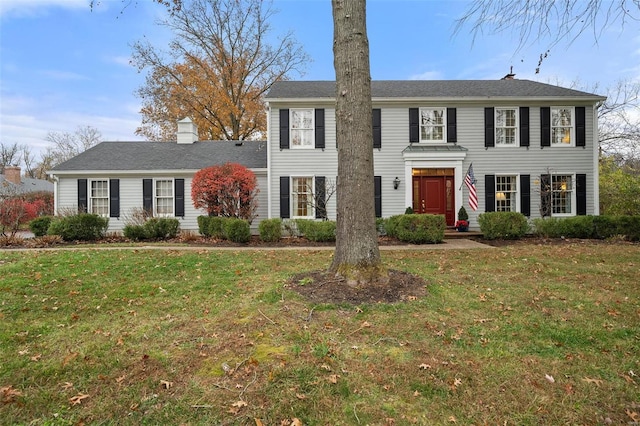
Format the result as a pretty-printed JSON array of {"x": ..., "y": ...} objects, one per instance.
[
  {"x": 154, "y": 228},
  {"x": 79, "y": 227},
  {"x": 597, "y": 227},
  {"x": 226, "y": 228},
  {"x": 503, "y": 225}
]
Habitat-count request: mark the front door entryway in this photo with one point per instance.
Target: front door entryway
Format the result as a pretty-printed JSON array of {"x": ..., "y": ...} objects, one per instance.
[{"x": 433, "y": 192}]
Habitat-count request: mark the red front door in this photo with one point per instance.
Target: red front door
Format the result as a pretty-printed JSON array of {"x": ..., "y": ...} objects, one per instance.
[{"x": 434, "y": 195}]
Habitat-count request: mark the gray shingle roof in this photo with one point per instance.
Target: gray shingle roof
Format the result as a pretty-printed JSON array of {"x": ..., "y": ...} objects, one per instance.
[
  {"x": 26, "y": 185},
  {"x": 125, "y": 156},
  {"x": 430, "y": 89}
]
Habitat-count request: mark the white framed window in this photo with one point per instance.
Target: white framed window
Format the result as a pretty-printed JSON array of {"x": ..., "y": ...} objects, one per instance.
[
  {"x": 163, "y": 198},
  {"x": 506, "y": 125},
  {"x": 302, "y": 128},
  {"x": 432, "y": 125},
  {"x": 562, "y": 126},
  {"x": 99, "y": 197},
  {"x": 506, "y": 193},
  {"x": 302, "y": 197},
  {"x": 562, "y": 195}
]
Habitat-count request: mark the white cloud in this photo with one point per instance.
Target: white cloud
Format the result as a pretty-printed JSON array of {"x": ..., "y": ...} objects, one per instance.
[
  {"x": 23, "y": 8},
  {"x": 63, "y": 75},
  {"x": 427, "y": 75}
]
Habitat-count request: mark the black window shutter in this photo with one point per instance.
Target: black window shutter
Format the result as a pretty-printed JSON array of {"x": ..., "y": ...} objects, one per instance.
[
  {"x": 147, "y": 195},
  {"x": 581, "y": 130},
  {"x": 83, "y": 202},
  {"x": 284, "y": 129},
  {"x": 489, "y": 193},
  {"x": 376, "y": 122},
  {"x": 489, "y": 128},
  {"x": 452, "y": 126},
  {"x": 319, "y": 119},
  {"x": 525, "y": 195},
  {"x": 179, "y": 197},
  {"x": 284, "y": 197},
  {"x": 524, "y": 126},
  {"x": 545, "y": 195},
  {"x": 414, "y": 125},
  {"x": 377, "y": 186},
  {"x": 114, "y": 197},
  {"x": 545, "y": 126},
  {"x": 581, "y": 194},
  {"x": 321, "y": 198}
]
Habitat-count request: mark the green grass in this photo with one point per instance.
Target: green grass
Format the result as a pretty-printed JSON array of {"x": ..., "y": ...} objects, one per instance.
[{"x": 147, "y": 335}]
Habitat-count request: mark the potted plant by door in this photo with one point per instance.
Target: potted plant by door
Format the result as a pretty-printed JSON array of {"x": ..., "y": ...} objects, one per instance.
[{"x": 462, "y": 224}]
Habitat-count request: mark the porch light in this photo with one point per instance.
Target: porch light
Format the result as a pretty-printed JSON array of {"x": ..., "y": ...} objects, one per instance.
[{"x": 396, "y": 183}]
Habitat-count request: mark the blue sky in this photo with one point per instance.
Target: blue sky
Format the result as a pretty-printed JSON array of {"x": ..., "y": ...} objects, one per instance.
[{"x": 63, "y": 65}]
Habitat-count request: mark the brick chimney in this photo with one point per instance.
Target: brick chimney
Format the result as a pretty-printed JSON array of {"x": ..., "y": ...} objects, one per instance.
[
  {"x": 187, "y": 131},
  {"x": 12, "y": 174}
]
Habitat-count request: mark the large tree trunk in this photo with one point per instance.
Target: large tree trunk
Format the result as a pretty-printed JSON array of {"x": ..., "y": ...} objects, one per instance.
[{"x": 357, "y": 256}]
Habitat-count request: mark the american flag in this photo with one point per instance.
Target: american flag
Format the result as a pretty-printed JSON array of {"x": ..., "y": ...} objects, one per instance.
[{"x": 470, "y": 181}]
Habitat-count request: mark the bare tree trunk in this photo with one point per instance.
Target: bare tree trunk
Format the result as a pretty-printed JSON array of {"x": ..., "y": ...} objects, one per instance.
[{"x": 357, "y": 256}]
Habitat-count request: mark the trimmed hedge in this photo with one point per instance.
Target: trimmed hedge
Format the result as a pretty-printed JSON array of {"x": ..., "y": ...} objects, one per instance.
[
  {"x": 270, "y": 230},
  {"x": 40, "y": 225},
  {"x": 211, "y": 226},
  {"x": 418, "y": 228},
  {"x": 154, "y": 228},
  {"x": 80, "y": 227},
  {"x": 598, "y": 227},
  {"x": 503, "y": 225},
  {"x": 324, "y": 231},
  {"x": 236, "y": 230}
]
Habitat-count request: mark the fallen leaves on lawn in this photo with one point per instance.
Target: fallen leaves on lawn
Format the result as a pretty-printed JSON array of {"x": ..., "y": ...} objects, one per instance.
[
  {"x": 334, "y": 378},
  {"x": 597, "y": 382},
  {"x": 424, "y": 366},
  {"x": 9, "y": 394},
  {"x": 166, "y": 384},
  {"x": 77, "y": 400},
  {"x": 549, "y": 378}
]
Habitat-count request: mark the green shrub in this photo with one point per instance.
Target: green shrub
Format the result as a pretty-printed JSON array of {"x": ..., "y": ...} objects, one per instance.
[
  {"x": 503, "y": 225},
  {"x": 409, "y": 210},
  {"x": 391, "y": 225},
  {"x": 162, "y": 227},
  {"x": 420, "y": 228},
  {"x": 302, "y": 226},
  {"x": 381, "y": 225},
  {"x": 462, "y": 214},
  {"x": 236, "y": 230},
  {"x": 270, "y": 230},
  {"x": 211, "y": 226},
  {"x": 40, "y": 225},
  {"x": 600, "y": 227},
  {"x": 135, "y": 232},
  {"x": 324, "y": 231},
  {"x": 203, "y": 225},
  {"x": 79, "y": 227}
]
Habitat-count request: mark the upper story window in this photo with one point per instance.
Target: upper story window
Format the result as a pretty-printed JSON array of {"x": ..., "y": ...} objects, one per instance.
[
  {"x": 506, "y": 193},
  {"x": 506, "y": 126},
  {"x": 562, "y": 126},
  {"x": 302, "y": 128},
  {"x": 99, "y": 198},
  {"x": 432, "y": 125},
  {"x": 163, "y": 197}
]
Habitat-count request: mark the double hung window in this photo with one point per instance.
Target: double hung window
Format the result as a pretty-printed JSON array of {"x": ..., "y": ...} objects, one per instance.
[
  {"x": 562, "y": 195},
  {"x": 432, "y": 125},
  {"x": 302, "y": 197},
  {"x": 506, "y": 126},
  {"x": 302, "y": 128},
  {"x": 163, "y": 197},
  {"x": 562, "y": 126},
  {"x": 99, "y": 198},
  {"x": 506, "y": 193}
]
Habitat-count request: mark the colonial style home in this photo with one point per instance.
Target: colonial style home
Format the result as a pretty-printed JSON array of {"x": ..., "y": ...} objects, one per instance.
[
  {"x": 520, "y": 145},
  {"x": 525, "y": 147},
  {"x": 116, "y": 179}
]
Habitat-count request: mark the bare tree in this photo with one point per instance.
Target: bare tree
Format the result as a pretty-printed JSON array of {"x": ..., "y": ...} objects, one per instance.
[
  {"x": 216, "y": 71},
  {"x": 9, "y": 155},
  {"x": 619, "y": 121},
  {"x": 29, "y": 161},
  {"x": 67, "y": 145},
  {"x": 357, "y": 255}
]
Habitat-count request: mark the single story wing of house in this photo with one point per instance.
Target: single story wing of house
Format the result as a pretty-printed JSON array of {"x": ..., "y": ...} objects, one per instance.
[
  {"x": 486, "y": 145},
  {"x": 13, "y": 183},
  {"x": 118, "y": 179}
]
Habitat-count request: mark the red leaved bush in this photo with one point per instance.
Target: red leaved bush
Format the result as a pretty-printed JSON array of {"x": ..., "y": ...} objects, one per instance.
[
  {"x": 16, "y": 211},
  {"x": 228, "y": 191}
]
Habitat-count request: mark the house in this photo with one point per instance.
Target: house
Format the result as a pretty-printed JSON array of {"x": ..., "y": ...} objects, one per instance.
[
  {"x": 532, "y": 148},
  {"x": 116, "y": 179},
  {"x": 12, "y": 183}
]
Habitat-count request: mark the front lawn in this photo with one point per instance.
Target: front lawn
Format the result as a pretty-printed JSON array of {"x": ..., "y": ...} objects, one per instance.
[{"x": 526, "y": 334}]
